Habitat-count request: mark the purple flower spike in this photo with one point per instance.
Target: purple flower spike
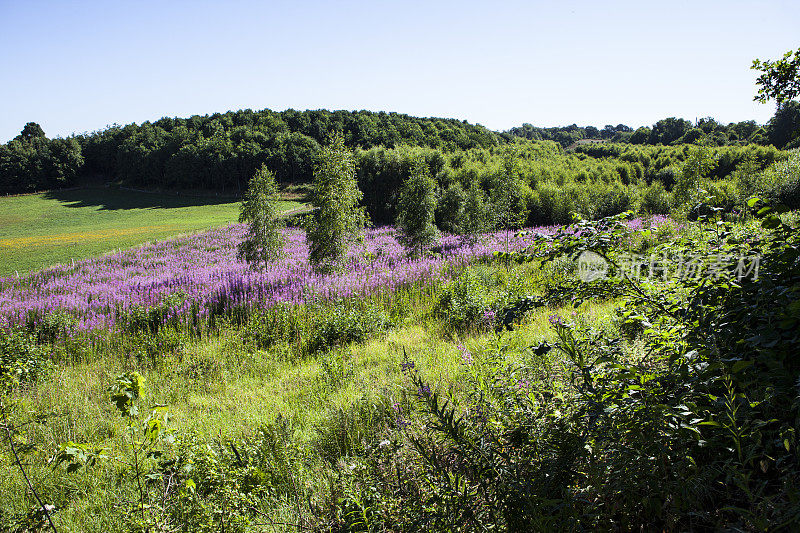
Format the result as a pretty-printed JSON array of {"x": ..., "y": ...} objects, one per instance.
[{"x": 102, "y": 292}]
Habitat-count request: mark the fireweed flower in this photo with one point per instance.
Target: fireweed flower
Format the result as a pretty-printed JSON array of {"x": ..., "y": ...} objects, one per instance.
[
  {"x": 101, "y": 292},
  {"x": 466, "y": 356}
]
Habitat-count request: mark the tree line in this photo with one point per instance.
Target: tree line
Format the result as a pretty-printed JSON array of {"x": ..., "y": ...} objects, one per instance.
[
  {"x": 782, "y": 131},
  {"x": 219, "y": 151},
  {"x": 222, "y": 152},
  {"x": 31, "y": 161},
  {"x": 547, "y": 183}
]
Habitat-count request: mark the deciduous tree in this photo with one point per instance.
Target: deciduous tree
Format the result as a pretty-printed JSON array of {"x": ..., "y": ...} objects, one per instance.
[
  {"x": 416, "y": 209},
  {"x": 338, "y": 219},
  {"x": 779, "y": 80},
  {"x": 264, "y": 241}
]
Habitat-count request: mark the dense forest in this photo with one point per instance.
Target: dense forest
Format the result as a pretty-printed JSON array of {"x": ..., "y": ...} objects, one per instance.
[
  {"x": 547, "y": 184},
  {"x": 781, "y": 131},
  {"x": 219, "y": 151},
  {"x": 551, "y": 176}
]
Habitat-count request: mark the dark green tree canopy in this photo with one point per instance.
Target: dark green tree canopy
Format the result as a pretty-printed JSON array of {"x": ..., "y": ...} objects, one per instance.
[
  {"x": 784, "y": 128},
  {"x": 31, "y": 131}
]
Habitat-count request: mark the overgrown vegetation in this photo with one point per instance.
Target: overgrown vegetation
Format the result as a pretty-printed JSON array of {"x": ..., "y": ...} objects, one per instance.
[
  {"x": 634, "y": 406},
  {"x": 609, "y": 374}
]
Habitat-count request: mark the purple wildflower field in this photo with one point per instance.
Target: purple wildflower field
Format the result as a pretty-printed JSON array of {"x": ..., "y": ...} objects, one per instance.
[{"x": 204, "y": 267}]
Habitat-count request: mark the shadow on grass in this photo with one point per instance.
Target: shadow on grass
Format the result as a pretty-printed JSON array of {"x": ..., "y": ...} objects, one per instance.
[{"x": 115, "y": 199}]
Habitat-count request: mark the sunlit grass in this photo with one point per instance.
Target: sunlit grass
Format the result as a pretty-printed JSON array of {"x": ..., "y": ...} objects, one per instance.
[
  {"x": 40, "y": 230},
  {"x": 221, "y": 388}
]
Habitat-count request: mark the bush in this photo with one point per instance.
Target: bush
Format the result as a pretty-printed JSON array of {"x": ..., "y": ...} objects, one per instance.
[
  {"x": 416, "y": 208},
  {"x": 554, "y": 205},
  {"x": 667, "y": 176},
  {"x": 780, "y": 183},
  {"x": 342, "y": 324},
  {"x": 21, "y": 360},
  {"x": 721, "y": 194},
  {"x": 450, "y": 209},
  {"x": 607, "y": 200},
  {"x": 463, "y": 302},
  {"x": 655, "y": 199}
]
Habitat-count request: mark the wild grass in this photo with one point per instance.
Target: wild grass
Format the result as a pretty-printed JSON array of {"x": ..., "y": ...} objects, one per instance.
[{"x": 222, "y": 386}]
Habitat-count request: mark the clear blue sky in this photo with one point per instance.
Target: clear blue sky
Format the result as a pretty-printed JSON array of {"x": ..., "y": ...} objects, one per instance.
[{"x": 78, "y": 66}]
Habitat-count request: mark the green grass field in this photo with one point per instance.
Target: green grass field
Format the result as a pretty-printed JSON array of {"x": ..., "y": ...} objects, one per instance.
[{"x": 40, "y": 230}]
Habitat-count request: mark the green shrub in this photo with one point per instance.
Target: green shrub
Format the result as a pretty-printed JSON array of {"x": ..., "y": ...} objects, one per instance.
[
  {"x": 720, "y": 193},
  {"x": 655, "y": 199},
  {"x": 450, "y": 209},
  {"x": 463, "y": 302},
  {"x": 780, "y": 183},
  {"x": 22, "y": 361},
  {"x": 554, "y": 205},
  {"x": 342, "y": 324},
  {"x": 667, "y": 176},
  {"x": 607, "y": 200}
]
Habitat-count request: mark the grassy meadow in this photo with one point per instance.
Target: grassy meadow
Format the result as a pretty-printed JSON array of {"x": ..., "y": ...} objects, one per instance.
[
  {"x": 505, "y": 382},
  {"x": 39, "y": 230},
  {"x": 478, "y": 383},
  {"x": 232, "y": 383}
]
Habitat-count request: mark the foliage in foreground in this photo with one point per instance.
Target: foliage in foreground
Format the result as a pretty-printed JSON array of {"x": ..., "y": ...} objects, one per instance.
[
  {"x": 696, "y": 430},
  {"x": 681, "y": 415}
]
